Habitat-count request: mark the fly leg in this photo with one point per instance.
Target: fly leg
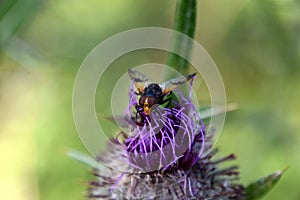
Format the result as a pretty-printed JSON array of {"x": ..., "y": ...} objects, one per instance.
[{"x": 140, "y": 116}]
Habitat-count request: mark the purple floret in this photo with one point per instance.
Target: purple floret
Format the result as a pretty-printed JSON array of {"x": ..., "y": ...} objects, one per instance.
[{"x": 168, "y": 136}]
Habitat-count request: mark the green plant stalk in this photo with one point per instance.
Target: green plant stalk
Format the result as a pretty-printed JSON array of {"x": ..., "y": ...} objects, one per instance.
[{"x": 185, "y": 22}]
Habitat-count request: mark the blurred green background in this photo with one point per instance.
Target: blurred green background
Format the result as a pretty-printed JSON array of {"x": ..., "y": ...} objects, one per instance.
[{"x": 255, "y": 44}]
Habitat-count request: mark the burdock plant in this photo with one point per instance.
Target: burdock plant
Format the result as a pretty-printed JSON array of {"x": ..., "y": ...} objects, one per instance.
[{"x": 169, "y": 152}]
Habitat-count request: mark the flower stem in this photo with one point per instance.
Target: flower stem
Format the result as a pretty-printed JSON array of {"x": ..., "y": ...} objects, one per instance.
[{"x": 185, "y": 22}]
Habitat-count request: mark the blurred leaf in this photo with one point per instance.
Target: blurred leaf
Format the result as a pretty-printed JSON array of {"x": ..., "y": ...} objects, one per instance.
[
  {"x": 23, "y": 53},
  {"x": 185, "y": 22},
  {"x": 210, "y": 112},
  {"x": 5, "y": 6},
  {"x": 261, "y": 187},
  {"x": 85, "y": 159},
  {"x": 12, "y": 14}
]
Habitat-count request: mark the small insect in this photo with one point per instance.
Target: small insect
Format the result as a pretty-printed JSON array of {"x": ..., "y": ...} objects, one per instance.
[{"x": 152, "y": 93}]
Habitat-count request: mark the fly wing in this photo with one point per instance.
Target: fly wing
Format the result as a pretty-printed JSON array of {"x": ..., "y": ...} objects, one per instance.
[
  {"x": 140, "y": 80},
  {"x": 172, "y": 84}
]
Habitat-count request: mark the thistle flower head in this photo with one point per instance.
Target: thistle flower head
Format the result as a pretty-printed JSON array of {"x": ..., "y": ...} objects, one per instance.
[
  {"x": 166, "y": 137},
  {"x": 166, "y": 155}
]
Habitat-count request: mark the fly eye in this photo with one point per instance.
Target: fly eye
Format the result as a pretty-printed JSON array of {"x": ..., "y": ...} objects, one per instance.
[
  {"x": 152, "y": 101},
  {"x": 142, "y": 100}
]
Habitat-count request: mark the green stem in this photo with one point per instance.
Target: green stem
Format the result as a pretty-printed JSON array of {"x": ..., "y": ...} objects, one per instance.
[{"x": 185, "y": 22}]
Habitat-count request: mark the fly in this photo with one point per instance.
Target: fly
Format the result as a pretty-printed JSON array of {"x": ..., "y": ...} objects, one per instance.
[{"x": 153, "y": 93}]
